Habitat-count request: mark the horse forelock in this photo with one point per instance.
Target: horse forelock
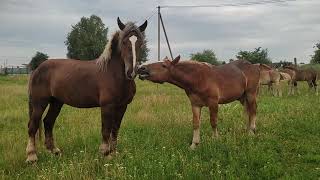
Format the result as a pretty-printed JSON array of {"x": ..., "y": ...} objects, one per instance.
[{"x": 114, "y": 45}]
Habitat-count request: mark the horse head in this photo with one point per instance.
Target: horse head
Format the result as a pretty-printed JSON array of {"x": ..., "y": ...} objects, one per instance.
[{"x": 130, "y": 42}]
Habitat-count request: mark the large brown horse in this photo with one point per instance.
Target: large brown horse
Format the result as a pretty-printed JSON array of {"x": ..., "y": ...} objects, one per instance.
[
  {"x": 209, "y": 86},
  {"x": 309, "y": 75},
  {"x": 106, "y": 82}
]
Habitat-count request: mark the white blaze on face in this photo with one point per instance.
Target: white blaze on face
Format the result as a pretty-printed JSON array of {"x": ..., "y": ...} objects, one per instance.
[{"x": 133, "y": 40}]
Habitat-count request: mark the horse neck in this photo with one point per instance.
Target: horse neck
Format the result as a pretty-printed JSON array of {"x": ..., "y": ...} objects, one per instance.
[
  {"x": 183, "y": 79},
  {"x": 116, "y": 65}
]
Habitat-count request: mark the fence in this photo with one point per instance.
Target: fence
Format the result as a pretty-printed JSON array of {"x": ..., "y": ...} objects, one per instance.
[{"x": 14, "y": 70}]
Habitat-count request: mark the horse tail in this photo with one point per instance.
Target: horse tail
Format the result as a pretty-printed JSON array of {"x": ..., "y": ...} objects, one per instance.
[{"x": 31, "y": 107}]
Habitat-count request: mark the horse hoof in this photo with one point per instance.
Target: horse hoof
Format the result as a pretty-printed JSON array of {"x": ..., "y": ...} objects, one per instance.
[
  {"x": 109, "y": 157},
  {"x": 251, "y": 132},
  {"x": 56, "y": 151},
  {"x": 193, "y": 146},
  {"x": 104, "y": 149},
  {"x": 32, "y": 158}
]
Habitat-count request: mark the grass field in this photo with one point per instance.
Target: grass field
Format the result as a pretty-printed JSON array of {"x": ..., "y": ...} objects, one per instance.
[{"x": 155, "y": 135}]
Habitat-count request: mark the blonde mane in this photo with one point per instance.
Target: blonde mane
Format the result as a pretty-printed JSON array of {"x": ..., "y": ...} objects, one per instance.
[{"x": 106, "y": 55}]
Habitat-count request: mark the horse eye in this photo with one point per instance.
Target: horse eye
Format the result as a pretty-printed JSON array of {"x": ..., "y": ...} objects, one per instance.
[{"x": 164, "y": 66}]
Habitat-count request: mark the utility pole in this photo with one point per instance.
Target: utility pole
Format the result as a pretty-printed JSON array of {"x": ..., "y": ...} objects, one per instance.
[{"x": 159, "y": 33}]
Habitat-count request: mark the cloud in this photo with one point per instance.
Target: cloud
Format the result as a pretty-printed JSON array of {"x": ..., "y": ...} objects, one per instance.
[{"x": 287, "y": 29}]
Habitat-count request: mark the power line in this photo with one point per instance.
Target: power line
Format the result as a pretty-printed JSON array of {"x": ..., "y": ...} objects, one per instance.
[
  {"x": 229, "y": 4},
  {"x": 149, "y": 16}
]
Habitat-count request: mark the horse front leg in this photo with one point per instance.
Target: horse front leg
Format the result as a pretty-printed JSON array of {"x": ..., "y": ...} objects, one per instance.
[
  {"x": 196, "y": 110},
  {"x": 213, "y": 108},
  {"x": 107, "y": 120},
  {"x": 119, "y": 113}
]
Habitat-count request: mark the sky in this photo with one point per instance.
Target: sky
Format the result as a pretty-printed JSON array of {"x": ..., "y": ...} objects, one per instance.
[{"x": 288, "y": 29}]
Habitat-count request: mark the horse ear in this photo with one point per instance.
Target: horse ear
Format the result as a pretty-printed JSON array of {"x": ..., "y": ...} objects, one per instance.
[
  {"x": 120, "y": 24},
  {"x": 143, "y": 26},
  {"x": 176, "y": 60}
]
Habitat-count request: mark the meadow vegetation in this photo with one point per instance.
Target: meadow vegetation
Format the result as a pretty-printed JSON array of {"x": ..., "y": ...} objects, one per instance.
[{"x": 155, "y": 136}]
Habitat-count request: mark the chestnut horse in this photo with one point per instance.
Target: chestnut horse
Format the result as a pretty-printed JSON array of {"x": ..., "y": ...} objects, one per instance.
[
  {"x": 309, "y": 75},
  {"x": 107, "y": 82},
  {"x": 209, "y": 86}
]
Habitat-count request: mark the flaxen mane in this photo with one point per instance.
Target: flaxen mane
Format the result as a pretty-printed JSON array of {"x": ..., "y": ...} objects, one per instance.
[{"x": 115, "y": 44}]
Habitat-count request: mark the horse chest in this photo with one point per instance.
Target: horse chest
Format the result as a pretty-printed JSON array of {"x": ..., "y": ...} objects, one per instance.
[
  {"x": 120, "y": 94},
  {"x": 196, "y": 100}
]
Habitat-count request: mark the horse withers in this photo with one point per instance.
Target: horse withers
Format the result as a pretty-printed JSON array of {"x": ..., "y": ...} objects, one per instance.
[
  {"x": 107, "y": 82},
  {"x": 209, "y": 86}
]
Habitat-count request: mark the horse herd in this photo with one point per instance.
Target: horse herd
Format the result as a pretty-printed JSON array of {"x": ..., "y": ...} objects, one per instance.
[
  {"x": 289, "y": 74},
  {"x": 108, "y": 83}
]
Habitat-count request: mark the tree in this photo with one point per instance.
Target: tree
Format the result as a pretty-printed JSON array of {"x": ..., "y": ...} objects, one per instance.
[
  {"x": 37, "y": 59},
  {"x": 259, "y": 55},
  {"x": 206, "y": 55},
  {"x": 87, "y": 39},
  {"x": 144, "y": 52},
  {"x": 315, "y": 59}
]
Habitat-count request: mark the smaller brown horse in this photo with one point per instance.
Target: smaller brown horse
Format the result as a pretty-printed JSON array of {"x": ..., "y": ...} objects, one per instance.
[
  {"x": 309, "y": 75},
  {"x": 209, "y": 86},
  {"x": 270, "y": 77}
]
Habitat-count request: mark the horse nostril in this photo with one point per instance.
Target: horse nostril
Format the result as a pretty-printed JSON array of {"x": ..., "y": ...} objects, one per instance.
[{"x": 141, "y": 69}]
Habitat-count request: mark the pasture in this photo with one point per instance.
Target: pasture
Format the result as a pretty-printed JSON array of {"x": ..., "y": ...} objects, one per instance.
[{"x": 155, "y": 135}]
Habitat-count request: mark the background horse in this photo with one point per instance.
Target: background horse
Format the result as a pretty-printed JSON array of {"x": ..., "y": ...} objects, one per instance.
[
  {"x": 292, "y": 75},
  {"x": 270, "y": 77},
  {"x": 309, "y": 75},
  {"x": 106, "y": 82},
  {"x": 209, "y": 86}
]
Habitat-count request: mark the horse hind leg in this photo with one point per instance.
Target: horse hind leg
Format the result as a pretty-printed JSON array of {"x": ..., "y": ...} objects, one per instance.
[
  {"x": 315, "y": 85},
  {"x": 278, "y": 89},
  {"x": 48, "y": 121},
  {"x": 33, "y": 126}
]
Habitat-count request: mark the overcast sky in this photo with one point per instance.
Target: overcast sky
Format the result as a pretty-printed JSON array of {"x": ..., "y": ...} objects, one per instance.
[{"x": 288, "y": 29}]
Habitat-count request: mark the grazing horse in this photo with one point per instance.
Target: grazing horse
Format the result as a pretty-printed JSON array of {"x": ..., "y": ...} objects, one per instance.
[
  {"x": 107, "y": 82},
  {"x": 292, "y": 75},
  {"x": 270, "y": 77},
  {"x": 209, "y": 86},
  {"x": 309, "y": 75}
]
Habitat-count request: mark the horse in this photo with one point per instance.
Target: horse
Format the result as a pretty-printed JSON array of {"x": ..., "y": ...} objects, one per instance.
[
  {"x": 270, "y": 77},
  {"x": 292, "y": 74},
  {"x": 309, "y": 75},
  {"x": 208, "y": 86},
  {"x": 106, "y": 82}
]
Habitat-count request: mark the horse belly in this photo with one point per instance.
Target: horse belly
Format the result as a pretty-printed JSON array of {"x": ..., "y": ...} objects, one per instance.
[
  {"x": 76, "y": 95},
  {"x": 230, "y": 97},
  {"x": 231, "y": 90}
]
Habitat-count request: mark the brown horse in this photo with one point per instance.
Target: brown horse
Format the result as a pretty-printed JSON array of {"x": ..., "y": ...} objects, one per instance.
[
  {"x": 106, "y": 82},
  {"x": 209, "y": 86},
  {"x": 309, "y": 75},
  {"x": 270, "y": 77}
]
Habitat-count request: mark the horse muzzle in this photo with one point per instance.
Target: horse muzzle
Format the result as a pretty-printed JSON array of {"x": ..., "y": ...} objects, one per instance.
[{"x": 143, "y": 73}]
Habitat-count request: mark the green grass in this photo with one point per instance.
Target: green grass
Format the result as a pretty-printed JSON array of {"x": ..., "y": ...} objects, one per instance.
[{"x": 155, "y": 135}]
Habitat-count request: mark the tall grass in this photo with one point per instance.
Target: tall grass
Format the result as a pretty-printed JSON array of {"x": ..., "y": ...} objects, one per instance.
[{"x": 155, "y": 136}]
